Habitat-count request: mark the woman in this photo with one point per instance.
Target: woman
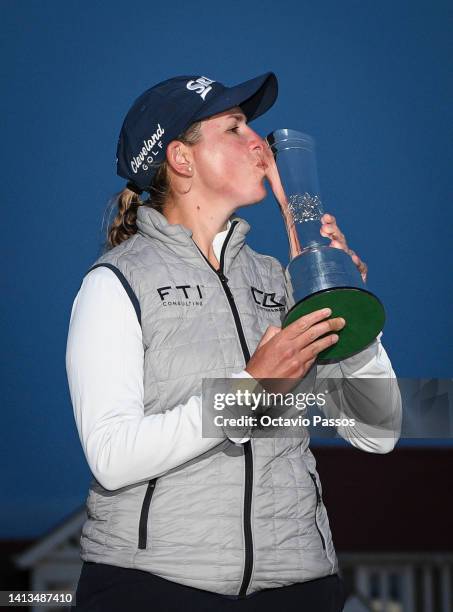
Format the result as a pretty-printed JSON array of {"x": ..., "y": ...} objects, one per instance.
[{"x": 176, "y": 520}]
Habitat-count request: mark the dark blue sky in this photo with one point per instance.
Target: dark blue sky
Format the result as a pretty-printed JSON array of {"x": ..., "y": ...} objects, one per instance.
[{"x": 370, "y": 81}]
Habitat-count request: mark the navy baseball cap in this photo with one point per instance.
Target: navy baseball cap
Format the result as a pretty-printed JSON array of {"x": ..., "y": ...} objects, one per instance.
[{"x": 165, "y": 111}]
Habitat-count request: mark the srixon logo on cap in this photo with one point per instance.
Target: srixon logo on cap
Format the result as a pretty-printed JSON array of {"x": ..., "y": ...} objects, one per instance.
[{"x": 201, "y": 86}]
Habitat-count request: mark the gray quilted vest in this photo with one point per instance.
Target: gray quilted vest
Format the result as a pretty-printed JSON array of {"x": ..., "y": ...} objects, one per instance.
[{"x": 239, "y": 518}]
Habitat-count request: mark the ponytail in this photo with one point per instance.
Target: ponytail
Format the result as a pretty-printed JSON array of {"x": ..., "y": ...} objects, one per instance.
[{"x": 124, "y": 224}]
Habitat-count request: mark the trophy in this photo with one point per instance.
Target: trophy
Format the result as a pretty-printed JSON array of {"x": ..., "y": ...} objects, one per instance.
[{"x": 318, "y": 276}]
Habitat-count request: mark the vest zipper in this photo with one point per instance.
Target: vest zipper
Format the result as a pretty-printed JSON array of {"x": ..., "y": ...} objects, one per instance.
[
  {"x": 318, "y": 501},
  {"x": 248, "y": 454},
  {"x": 235, "y": 313},
  {"x": 226, "y": 288},
  {"x": 143, "y": 525}
]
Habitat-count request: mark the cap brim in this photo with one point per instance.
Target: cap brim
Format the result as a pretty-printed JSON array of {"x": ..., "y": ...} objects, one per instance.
[{"x": 255, "y": 97}]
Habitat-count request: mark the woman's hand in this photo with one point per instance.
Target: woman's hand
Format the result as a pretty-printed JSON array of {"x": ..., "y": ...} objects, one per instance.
[
  {"x": 287, "y": 354},
  {"x": 330, "y": 229}
]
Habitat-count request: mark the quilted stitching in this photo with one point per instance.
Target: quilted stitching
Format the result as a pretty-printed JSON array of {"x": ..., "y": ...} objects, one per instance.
[{"x": 195, "y": 521}]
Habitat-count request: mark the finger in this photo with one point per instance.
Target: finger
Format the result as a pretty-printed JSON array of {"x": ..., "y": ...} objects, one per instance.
[
  {"x": 330, "y": 227},
  {"x": 361, "y": 265},
  {"x": 334, "y": 235},
  {"x": 328, "y": 218},
  {"x": 312, "y": 351},
  {"x": 316, "y": 331},
  {"x": 308, "y": 364},
  {"x": 303, "y": 323},
  {"x": 333, "y": 232},
  {"x": 363, "y": 269},
  {"x": 338, "y": 244},
  {"x": 327, "y": 230},
  {"x": 270, "y": 332}
]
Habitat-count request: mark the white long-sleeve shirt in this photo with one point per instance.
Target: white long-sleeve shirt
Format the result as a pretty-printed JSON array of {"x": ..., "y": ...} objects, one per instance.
[{"x": 105, "y": 369}]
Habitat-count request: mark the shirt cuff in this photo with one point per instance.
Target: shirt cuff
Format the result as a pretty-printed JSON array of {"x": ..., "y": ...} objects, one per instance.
[{"x": 242, "y": 374}]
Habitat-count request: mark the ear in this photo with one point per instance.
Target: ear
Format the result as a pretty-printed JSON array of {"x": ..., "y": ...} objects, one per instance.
[{"x": 179, "y": 158}]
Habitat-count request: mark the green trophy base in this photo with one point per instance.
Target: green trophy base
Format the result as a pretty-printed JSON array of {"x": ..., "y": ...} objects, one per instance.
[{"x": 363, "y": 312}]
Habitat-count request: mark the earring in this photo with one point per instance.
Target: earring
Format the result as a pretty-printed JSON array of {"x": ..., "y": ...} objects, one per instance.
[{"x": 190, "y": 168}]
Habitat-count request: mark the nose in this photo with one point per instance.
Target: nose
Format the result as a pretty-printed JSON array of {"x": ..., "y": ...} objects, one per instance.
[{"x": 256, "y": 143}]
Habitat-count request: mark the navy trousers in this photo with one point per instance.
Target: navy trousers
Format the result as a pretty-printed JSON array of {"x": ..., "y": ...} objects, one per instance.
[{"x": 107, "y": 588}]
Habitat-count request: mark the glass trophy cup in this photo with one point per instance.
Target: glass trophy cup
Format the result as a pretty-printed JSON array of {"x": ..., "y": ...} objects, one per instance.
[{"x": 318, "y": 276}]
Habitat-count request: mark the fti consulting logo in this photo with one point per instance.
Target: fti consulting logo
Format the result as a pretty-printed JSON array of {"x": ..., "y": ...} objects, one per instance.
[{"x": 181, "y": 295}]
